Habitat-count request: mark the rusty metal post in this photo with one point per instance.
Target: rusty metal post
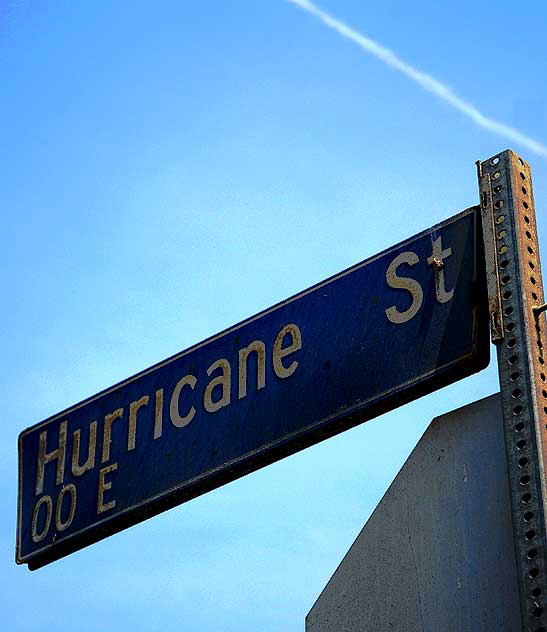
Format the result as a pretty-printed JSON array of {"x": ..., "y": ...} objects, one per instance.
[{"x": 518, "y": 329}]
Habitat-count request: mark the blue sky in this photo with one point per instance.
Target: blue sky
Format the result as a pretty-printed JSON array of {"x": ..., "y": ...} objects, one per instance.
[{"x": 171, "y": 169}]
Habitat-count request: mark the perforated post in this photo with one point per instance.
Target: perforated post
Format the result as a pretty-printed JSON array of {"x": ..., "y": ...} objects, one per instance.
[{"x": 518, "y": 328}]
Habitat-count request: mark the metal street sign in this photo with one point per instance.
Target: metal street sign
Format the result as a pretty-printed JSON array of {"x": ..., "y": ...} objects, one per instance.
[{"x": 390, "y": 329}]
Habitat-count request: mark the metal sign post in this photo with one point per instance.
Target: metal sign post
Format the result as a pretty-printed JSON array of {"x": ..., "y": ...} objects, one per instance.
[{"x": 516, "y": 304}]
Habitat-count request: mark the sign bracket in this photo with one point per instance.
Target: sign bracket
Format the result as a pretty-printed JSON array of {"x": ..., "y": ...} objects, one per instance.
[
  {"x": 516, "y": 303},
  {"x": 491, "y": 254}
]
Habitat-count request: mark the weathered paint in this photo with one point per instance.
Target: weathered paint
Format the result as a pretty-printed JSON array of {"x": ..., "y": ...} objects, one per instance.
[
  {"x": 522, "y": 363},
  {"x": 388, "y": 330}
]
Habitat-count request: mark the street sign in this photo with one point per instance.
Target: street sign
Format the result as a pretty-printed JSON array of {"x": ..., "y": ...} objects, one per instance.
[{"x": 381, "y": 333}]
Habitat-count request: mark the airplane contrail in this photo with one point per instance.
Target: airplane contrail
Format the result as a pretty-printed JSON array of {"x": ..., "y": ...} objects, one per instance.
[{"x": 427, "y": 82}]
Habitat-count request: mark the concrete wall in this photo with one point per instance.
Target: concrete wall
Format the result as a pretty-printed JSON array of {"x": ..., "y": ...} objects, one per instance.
[{"x": 437, "y": 553}]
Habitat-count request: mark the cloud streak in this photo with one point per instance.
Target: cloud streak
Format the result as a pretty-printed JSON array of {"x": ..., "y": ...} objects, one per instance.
[{"x": 427, "y": 82}]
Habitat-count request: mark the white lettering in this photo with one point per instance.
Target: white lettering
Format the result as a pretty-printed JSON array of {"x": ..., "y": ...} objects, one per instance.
[
  {"x": 280, "y": 352},
  {"x": 223, "y": 380},
  {"x": 403, "y": 283},
  {"x": 59, "y": 524},
  {"x": 103, "y": 487},
  {"x": 39, "y": 536},
  {"x": 46, "y": 457},
  {"x": 176, "y": 419},
  {"x": 260, "y": 349},
  {"x": 437, "y": 261}
]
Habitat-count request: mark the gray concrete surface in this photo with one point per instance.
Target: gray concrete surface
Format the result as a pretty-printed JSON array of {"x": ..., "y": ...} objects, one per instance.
[{"x": 437, "y": 553}]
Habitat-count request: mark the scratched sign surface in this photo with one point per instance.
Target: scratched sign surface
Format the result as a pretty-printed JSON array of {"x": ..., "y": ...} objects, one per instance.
[{"x": 377, "y": 335}]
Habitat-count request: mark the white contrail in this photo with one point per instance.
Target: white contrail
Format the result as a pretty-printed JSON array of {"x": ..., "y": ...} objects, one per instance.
[{"x": 427, "y": 82}]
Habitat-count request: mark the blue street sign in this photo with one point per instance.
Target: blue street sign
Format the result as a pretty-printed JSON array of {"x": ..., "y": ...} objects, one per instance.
[{"x": 383, "y": 332}]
